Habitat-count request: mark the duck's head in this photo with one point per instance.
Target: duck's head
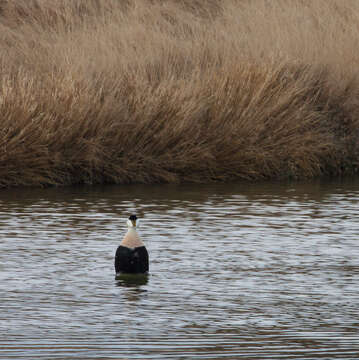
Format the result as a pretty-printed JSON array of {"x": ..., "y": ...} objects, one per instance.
[{"x": 132, "y": 221}]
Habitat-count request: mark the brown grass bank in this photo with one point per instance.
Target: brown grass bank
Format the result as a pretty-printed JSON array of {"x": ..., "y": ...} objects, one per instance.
[{"x": 119, "y": 91}]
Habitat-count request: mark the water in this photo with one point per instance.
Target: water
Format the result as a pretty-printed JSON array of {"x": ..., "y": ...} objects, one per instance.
[{"x": 238, "y": 271}]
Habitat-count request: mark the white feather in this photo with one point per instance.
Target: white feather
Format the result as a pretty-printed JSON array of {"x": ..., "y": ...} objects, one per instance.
[{"x": 130, "y": 223}]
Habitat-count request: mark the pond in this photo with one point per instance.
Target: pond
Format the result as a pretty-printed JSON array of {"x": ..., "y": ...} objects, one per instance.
[{"x": 252, "y": 271}]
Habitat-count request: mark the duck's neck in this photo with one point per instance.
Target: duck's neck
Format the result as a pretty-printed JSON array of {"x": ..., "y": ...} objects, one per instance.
[
  {"x": 132, "y": 231},
  {"x": 132, "y": 239}
]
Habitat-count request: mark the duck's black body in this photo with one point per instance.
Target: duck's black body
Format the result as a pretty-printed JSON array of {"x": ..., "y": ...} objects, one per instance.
[{"x": 131, "y": 261}]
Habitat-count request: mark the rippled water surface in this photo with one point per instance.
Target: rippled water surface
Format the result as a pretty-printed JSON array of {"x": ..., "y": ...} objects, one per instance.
[{"x": 237, "y": 271}]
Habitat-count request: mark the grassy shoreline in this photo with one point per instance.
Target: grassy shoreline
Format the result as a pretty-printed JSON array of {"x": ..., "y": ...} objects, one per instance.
[{"x": 168, "y": 91}]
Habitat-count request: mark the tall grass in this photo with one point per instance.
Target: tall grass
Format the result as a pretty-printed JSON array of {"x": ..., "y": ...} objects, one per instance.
[{"x": 116, "y": 91}]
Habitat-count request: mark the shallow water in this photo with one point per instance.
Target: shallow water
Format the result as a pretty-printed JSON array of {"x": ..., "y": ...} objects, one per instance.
[{"x": 238, "y": 271}]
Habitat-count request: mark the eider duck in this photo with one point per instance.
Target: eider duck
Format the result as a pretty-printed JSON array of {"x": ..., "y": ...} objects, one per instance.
[{"x": 131, "y": 255}]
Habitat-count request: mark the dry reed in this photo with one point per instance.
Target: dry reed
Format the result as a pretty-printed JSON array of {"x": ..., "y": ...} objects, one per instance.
[{"x": 147, "y": 91}]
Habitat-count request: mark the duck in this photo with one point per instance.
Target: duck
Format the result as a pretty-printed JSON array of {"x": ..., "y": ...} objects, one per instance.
[{"x": 131, "y": 255}]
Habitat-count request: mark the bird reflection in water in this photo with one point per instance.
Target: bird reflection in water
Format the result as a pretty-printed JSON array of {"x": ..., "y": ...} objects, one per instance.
[{"x": 131, "y": 280}]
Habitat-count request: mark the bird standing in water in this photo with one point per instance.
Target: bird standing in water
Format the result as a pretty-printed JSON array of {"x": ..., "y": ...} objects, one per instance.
[{"x": 131, "y": 255}]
